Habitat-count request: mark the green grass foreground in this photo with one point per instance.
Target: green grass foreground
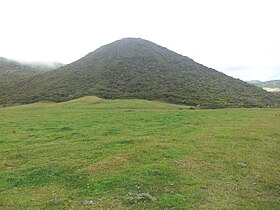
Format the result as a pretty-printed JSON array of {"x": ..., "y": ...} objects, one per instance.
[{"x": 91, "y": 153}]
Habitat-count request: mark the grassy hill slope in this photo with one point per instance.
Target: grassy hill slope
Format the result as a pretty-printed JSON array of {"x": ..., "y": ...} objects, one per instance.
[
  {"x": 92, "y": 153},
  {"x": 136, "y": 68}
]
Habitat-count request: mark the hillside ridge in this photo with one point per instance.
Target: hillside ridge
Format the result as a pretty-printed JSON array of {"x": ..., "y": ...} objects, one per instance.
[{"x": 137, "y": 68}]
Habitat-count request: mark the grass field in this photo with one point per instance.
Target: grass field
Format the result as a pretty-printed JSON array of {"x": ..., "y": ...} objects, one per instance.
[{"x": 91, "y": 153}]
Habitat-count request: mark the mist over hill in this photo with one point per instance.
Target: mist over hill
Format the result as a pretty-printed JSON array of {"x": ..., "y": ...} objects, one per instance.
[
  {"x": 10, "y": 66},
  {"x": 137, "y": 68}
]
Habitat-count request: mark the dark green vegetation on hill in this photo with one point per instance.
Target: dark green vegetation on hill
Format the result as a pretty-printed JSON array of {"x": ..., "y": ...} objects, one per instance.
[
  {"x": 103, "y": 154},
  {"x": 136, "y": 68},
  {"x": 14, "y": 76}
]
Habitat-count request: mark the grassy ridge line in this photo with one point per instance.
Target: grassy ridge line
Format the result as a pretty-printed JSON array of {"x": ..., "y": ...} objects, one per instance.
[
  {"x": 108, "y": 151},
  {"x": 99, "y": 103}
]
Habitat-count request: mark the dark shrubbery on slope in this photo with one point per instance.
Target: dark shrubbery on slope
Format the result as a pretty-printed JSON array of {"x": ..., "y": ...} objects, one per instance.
[{"x": 136, "y": 68}]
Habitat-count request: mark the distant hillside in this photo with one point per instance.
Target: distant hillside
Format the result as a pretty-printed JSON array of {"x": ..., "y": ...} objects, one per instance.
[
  {"x": 12, "y": 72},
  {"x": 14, "y": 75},
  {"x": 8, "y": 66},
  {"x": 272, "y": 86},
  {"x": 136, "y": 68},
  {"x": 254, "y": 82}
]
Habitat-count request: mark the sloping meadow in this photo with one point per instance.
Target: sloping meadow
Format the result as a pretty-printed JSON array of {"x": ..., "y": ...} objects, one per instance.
[{"x": 92, "y": 153}]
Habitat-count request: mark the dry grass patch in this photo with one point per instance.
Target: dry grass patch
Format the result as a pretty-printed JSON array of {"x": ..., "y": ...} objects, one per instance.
[{"x": 109, "y": 165}]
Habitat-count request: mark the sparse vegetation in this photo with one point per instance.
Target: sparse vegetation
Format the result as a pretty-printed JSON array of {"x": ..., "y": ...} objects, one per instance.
[
  {"x": 270, "y": 86},
  {"x": 267, "y": 84},
  {"x": 91, "y": 153}
]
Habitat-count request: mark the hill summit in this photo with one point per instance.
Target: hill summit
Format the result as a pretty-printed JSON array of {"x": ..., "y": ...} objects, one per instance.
[{"x": 137, "y": 68}]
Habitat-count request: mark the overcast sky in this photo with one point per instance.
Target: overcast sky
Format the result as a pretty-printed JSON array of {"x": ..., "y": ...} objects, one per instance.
[{"x": 238, "y": 37}]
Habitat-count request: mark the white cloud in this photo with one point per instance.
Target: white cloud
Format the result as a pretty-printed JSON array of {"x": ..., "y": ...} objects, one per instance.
[{"x": 256, "y": 72}]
